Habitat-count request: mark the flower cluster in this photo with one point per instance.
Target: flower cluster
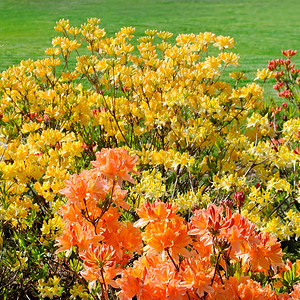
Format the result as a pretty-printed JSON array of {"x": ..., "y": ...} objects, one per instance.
[
  {"x": 92, "y": 228},
  {"x": 287, "y": 76},
  {"x": 210, "y": 256}
]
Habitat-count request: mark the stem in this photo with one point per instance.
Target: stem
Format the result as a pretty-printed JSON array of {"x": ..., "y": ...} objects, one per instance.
[
  {"x": 112, "y": 292},
  {"x": 279, "y": 205},
  {"x": 175, "y": 265},
  {"x": 176, "y": 181},
  {"x": 187, "y": 292},
  {"x": 216, "y": 269},
  {"x": 108, "y": 203},
  {"x": 190, "y": 179},
  {"x": 295, "y": 174},
  {"x": 253, "y": 164},
  {"x": 104, "y": 285}
]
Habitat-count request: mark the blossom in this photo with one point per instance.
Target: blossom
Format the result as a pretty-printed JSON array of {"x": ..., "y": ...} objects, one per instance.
[
  {"x": 86, "y": 186},
  {"x": 224, "y": 42},
  {"x": 243, "y": 288},
  {"x": 210, "y": 221},
  {"x": 295, "y": 294},
  {"x": 289, "y": 53},
  {"x": 241, "y": 235},
  {"x": 156, "y": 211},
  {"x": 115, "y": 163},
  {"x": 98, "y": 256},
  {"x": 264, "y": 254},
  {"x": 239, "y": 198},
  {"x": 125, "y": 238},
  {"x": 80, "y": 234},
  {"x": 152, "y": 277},
  {"x": 170, "y": 235},
  {"x": 197, "y": 275}
]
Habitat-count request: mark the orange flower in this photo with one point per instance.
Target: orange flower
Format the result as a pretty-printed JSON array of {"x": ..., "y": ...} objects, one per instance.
[
  {"x": 295, "y": 294},
  {"x": 70, "y": 212},
  {"x": 209, "y": 222},
  {"x": 132, "y": 281},
  {"x": 130, "y": 285},
  {"x": 130, "y": 238},
  {"x": 197, "y": 274},
  {"x": 284, "y": 296},
  {"x": 265, "y": 254},
  {"x": 243, "y": 288},
  {"x": 241, "y": 235},
  {"x": 156, "y": 211},
  {"x": 98, "y": 256},
  {"x": 115, "y": 163},
  {"x": 271, "y": 248},
  {"x": 87, "y": 186},
  {"x": 165, "y": 282},
  {"x": 126, "y": 239},
  {"x": 167, "y": 235},
  {"x": 92, "y": 275},
  {"x": 119, "y": 196},
  {"x": 109, "y": 222},
  {"x": 99, "y": 262},
  {"x": 202, "y": 249},
  {"x": 79, "y": 234},
  {"x": 152, "y": 277},
  {"x": 76, "y": 189}
]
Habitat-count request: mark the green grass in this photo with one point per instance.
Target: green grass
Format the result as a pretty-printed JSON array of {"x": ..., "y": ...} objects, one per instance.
[{"x": 261, "y": 28}]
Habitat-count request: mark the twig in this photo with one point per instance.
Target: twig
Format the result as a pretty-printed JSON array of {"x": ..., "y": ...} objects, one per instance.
[
  {"x": 175, "y": 265},
  {"x": 176, "y": 181},
  {"x": 190, "y": 178},
  {"x": 279, "y": 205},
  {"x": 216, "y": 269},
  {"x": 253, "y": 164}
]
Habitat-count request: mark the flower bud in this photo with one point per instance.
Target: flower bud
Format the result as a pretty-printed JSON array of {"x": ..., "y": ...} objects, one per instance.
[{"x": 239, "y": 198}]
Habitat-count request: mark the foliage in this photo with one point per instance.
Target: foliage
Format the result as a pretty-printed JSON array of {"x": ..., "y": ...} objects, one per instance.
[{"x": 212, "y": 153}]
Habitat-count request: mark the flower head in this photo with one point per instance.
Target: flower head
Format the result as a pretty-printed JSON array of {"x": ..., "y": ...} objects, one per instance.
[
  {"x": 155, "y": 212},
  {"x": 98, "y": 256},
  {"x": 168, "y": 235},
  {"x": 115, "y": 163}
]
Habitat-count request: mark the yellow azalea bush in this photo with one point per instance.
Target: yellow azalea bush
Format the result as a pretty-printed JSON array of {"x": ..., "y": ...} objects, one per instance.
[{"x": 200, "y": 141}]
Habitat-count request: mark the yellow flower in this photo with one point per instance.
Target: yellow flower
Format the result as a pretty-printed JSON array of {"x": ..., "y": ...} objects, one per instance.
[
  {"x": 150, "y": 187},
  {"x": 62, "y": 25},
  {"x": 80, "y": 291},
  {"x": 237, "y": 75},
  {"x": 164, "y": 35},
  {"x": 51, "y": 288},
  {"x": 229, "y": 58},
  {"x": 264, "y": 74},
  {"x": 224, "y": 42}
]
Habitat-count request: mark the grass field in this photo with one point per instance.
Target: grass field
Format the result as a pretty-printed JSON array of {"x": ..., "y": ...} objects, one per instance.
[{"x": 261, "y": 28}]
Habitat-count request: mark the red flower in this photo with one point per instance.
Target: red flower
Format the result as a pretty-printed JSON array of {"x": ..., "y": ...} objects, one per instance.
[
  {"x": 39, "y": 119},
  {"x": 95, "y": 111},
  {"x": 289, "y": 53}
]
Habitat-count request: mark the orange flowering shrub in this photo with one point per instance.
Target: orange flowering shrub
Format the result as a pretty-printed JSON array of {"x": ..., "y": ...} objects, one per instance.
[{"x": 214, "y": 255}]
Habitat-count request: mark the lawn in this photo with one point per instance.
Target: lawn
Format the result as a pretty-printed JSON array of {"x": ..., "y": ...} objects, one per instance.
[{"x": 261, "y": 28}]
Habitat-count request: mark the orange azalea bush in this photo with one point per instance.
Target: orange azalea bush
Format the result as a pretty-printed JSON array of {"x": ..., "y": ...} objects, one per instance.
[
  {"x": 204, "y": 213},
  {"x": 214, "y": 255}
]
